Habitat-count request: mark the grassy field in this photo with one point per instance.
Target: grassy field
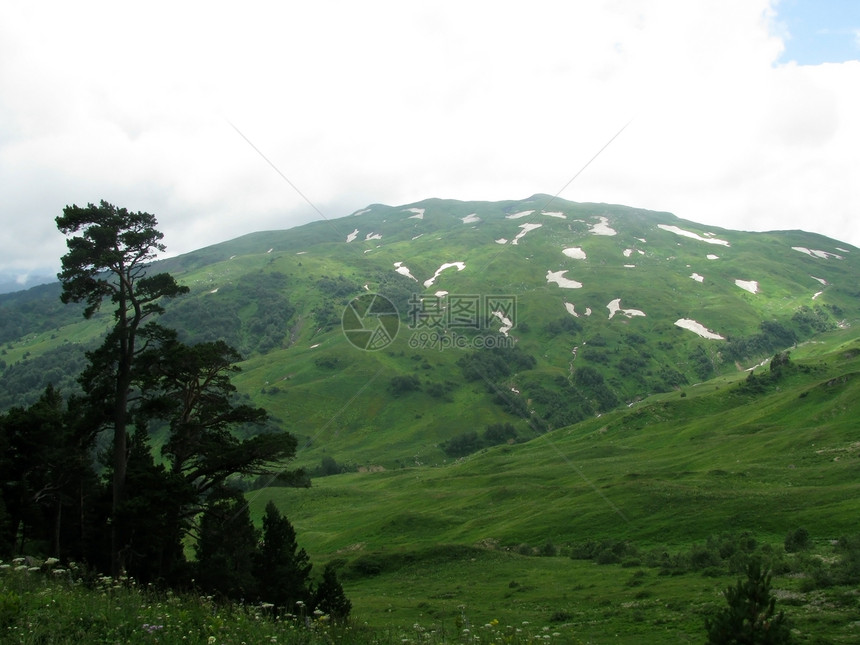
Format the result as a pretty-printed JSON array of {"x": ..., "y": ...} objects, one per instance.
[{"x": 430, "y": 545}]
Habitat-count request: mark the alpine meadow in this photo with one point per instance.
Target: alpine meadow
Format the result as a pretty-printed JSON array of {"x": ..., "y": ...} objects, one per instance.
[{"x": 441, "y": 422}]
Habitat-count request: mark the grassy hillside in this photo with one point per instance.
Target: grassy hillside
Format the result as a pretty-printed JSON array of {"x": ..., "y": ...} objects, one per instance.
[
  {"x": 759, "y": 455},
  {"x": 639, "y": 460},
  {"x": 278, "y": 297}
]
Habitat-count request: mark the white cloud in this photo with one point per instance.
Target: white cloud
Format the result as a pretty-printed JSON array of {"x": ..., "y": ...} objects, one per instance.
[{"x": 394, "y": 102}]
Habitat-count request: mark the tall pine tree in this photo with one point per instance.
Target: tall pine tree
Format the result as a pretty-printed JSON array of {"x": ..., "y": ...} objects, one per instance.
[
  {"x": 750, "y": 617},
  {"x": 281, "y": 568}
]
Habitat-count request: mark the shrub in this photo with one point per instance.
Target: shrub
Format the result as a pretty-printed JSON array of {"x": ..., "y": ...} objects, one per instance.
[
  {"x": 797, "y": 540},
  {"x": 750, "y": 616}
]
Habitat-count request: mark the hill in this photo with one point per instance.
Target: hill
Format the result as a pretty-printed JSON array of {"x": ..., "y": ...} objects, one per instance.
[
  {"x": 605, "y": 304},
  {"x": 584, "y": 416}
]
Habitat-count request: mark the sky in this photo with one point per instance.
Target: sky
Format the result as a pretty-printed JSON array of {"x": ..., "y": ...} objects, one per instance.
[{"x": 743, "y": 114}]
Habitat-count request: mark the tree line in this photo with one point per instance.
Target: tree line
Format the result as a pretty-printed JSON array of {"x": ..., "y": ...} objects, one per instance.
[{"x": 81, "y": 479}]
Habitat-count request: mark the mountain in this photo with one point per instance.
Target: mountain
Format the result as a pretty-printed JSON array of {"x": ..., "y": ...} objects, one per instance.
[
  {"x": 642, "y": 400},
  {"x": 605, "y": 304},
  {"x": 21, "y": 282}
]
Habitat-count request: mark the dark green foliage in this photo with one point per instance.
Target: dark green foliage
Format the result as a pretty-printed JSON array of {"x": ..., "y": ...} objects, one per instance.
[
  {"x": 329, "y": 466},
  {"x": 339, "y": 287},
  {"x": 591, "y": 383},
  {"x": 750, "y": 617},
  {"x": 47, "y": 470},
  {"x": 702, "y": 364},
  {"x": 492, "y": 365},
  {"x": 848, "y": 566},
  {"x": 499, "y": 433},
  {"x": 404, "y": 384},
  {"x": 463, "y": 444},
  {"x": 672, "y": 378},
  {"x": 558, "y": 409},
  {"x": 23, "y": 381},
  {"x": 109, "y": 259},
  {"x": 595, "y": 355},
  {"x": 226, "y": 549},
  {"x": 281, "y": 568},
  {"x": 797, "y": 540},
  {"x": 774, "y": 336},
  {"x": 398, "y": 289},
  {"x": 189, "y": 387},
  {"x": 327, "y": 362},
  {"x": 329, "y": 596},
  {"x": 810, "y": 321},
  {"x": 566, "y": 325},
  {"x": 35, "y": 310},
  {"x": 439, "y": 390},
  {"x": 469, "y": 442},
  {"x": 151, "y": 517},
  {"x": 253, "y": 314}
]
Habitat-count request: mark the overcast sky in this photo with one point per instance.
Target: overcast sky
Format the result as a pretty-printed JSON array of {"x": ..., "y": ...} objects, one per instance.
[{"x": 743, "y": 114}]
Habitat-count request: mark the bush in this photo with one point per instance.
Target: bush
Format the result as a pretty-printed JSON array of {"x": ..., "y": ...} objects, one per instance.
[
  {"x": 797, "y": 540},
  {"x": 404, "y": 384},
  {"x": 750, "y": 616}
]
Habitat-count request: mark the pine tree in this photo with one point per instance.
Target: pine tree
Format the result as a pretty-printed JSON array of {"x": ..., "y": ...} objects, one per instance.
[
  {"x": 330, "y": 597},
  {"x": 226, "y": 549},
  {"x": 281, "y": 568},
  {"x": 750, "y": 618}
]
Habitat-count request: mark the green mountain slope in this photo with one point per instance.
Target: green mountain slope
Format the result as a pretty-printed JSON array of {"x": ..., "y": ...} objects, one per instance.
[
  {"x": 632, "y": 422},
  {"x": 278, "y": 296}
]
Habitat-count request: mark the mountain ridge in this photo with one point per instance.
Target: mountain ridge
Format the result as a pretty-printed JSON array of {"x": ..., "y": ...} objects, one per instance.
[{"x": 599, "y": 292}]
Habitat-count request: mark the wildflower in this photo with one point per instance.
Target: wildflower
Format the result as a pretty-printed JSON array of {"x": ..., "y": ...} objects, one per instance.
[
  {"x": 18, "y": 561},
  {"x": 153, "y": 628},
  {"x": 211, "y": 640},
  {"x": 50, "y": 562}
]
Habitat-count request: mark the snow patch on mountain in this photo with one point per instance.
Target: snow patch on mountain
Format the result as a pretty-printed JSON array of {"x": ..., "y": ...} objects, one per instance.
[
  {"x": 471, "y": 218},
  {"x": 502, "y": 240},
  {"x": 711, "y": 256},
  {"x": 697, "y": 277},
  {"x": 561, "y": 281},
  {"x": 748, "y": 285},
  {"x": 555, "y": 214},
  {"x": 507, "y": 325},
  {"x": 448, "y": 265},
  {"x": 419, "y": 213},
  {"x": 816, "y": 294},
  {"x": 602, "y": 227},
  {"x": 698, "y": 328},
  {"x": 575, "y": 252},
  {"x": 372, "y": 236},
  {"x": 526, "y": 228},
  {"x": 404, "y": 270},
  {"x": 821, "y": 280},
  {"x": 352, "y": 236},
  {"x": 415, "y": 237},
  {"x": 692, "y": 236},
  {"x": 519, "y": 215},
  {"x": 571, "y": 309},
  {"x": 615, "y": 307},
  {"x": 361, "y": 212},
  {"x": 816, "y": 253},
  {"x": 440, "y": 293}
]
